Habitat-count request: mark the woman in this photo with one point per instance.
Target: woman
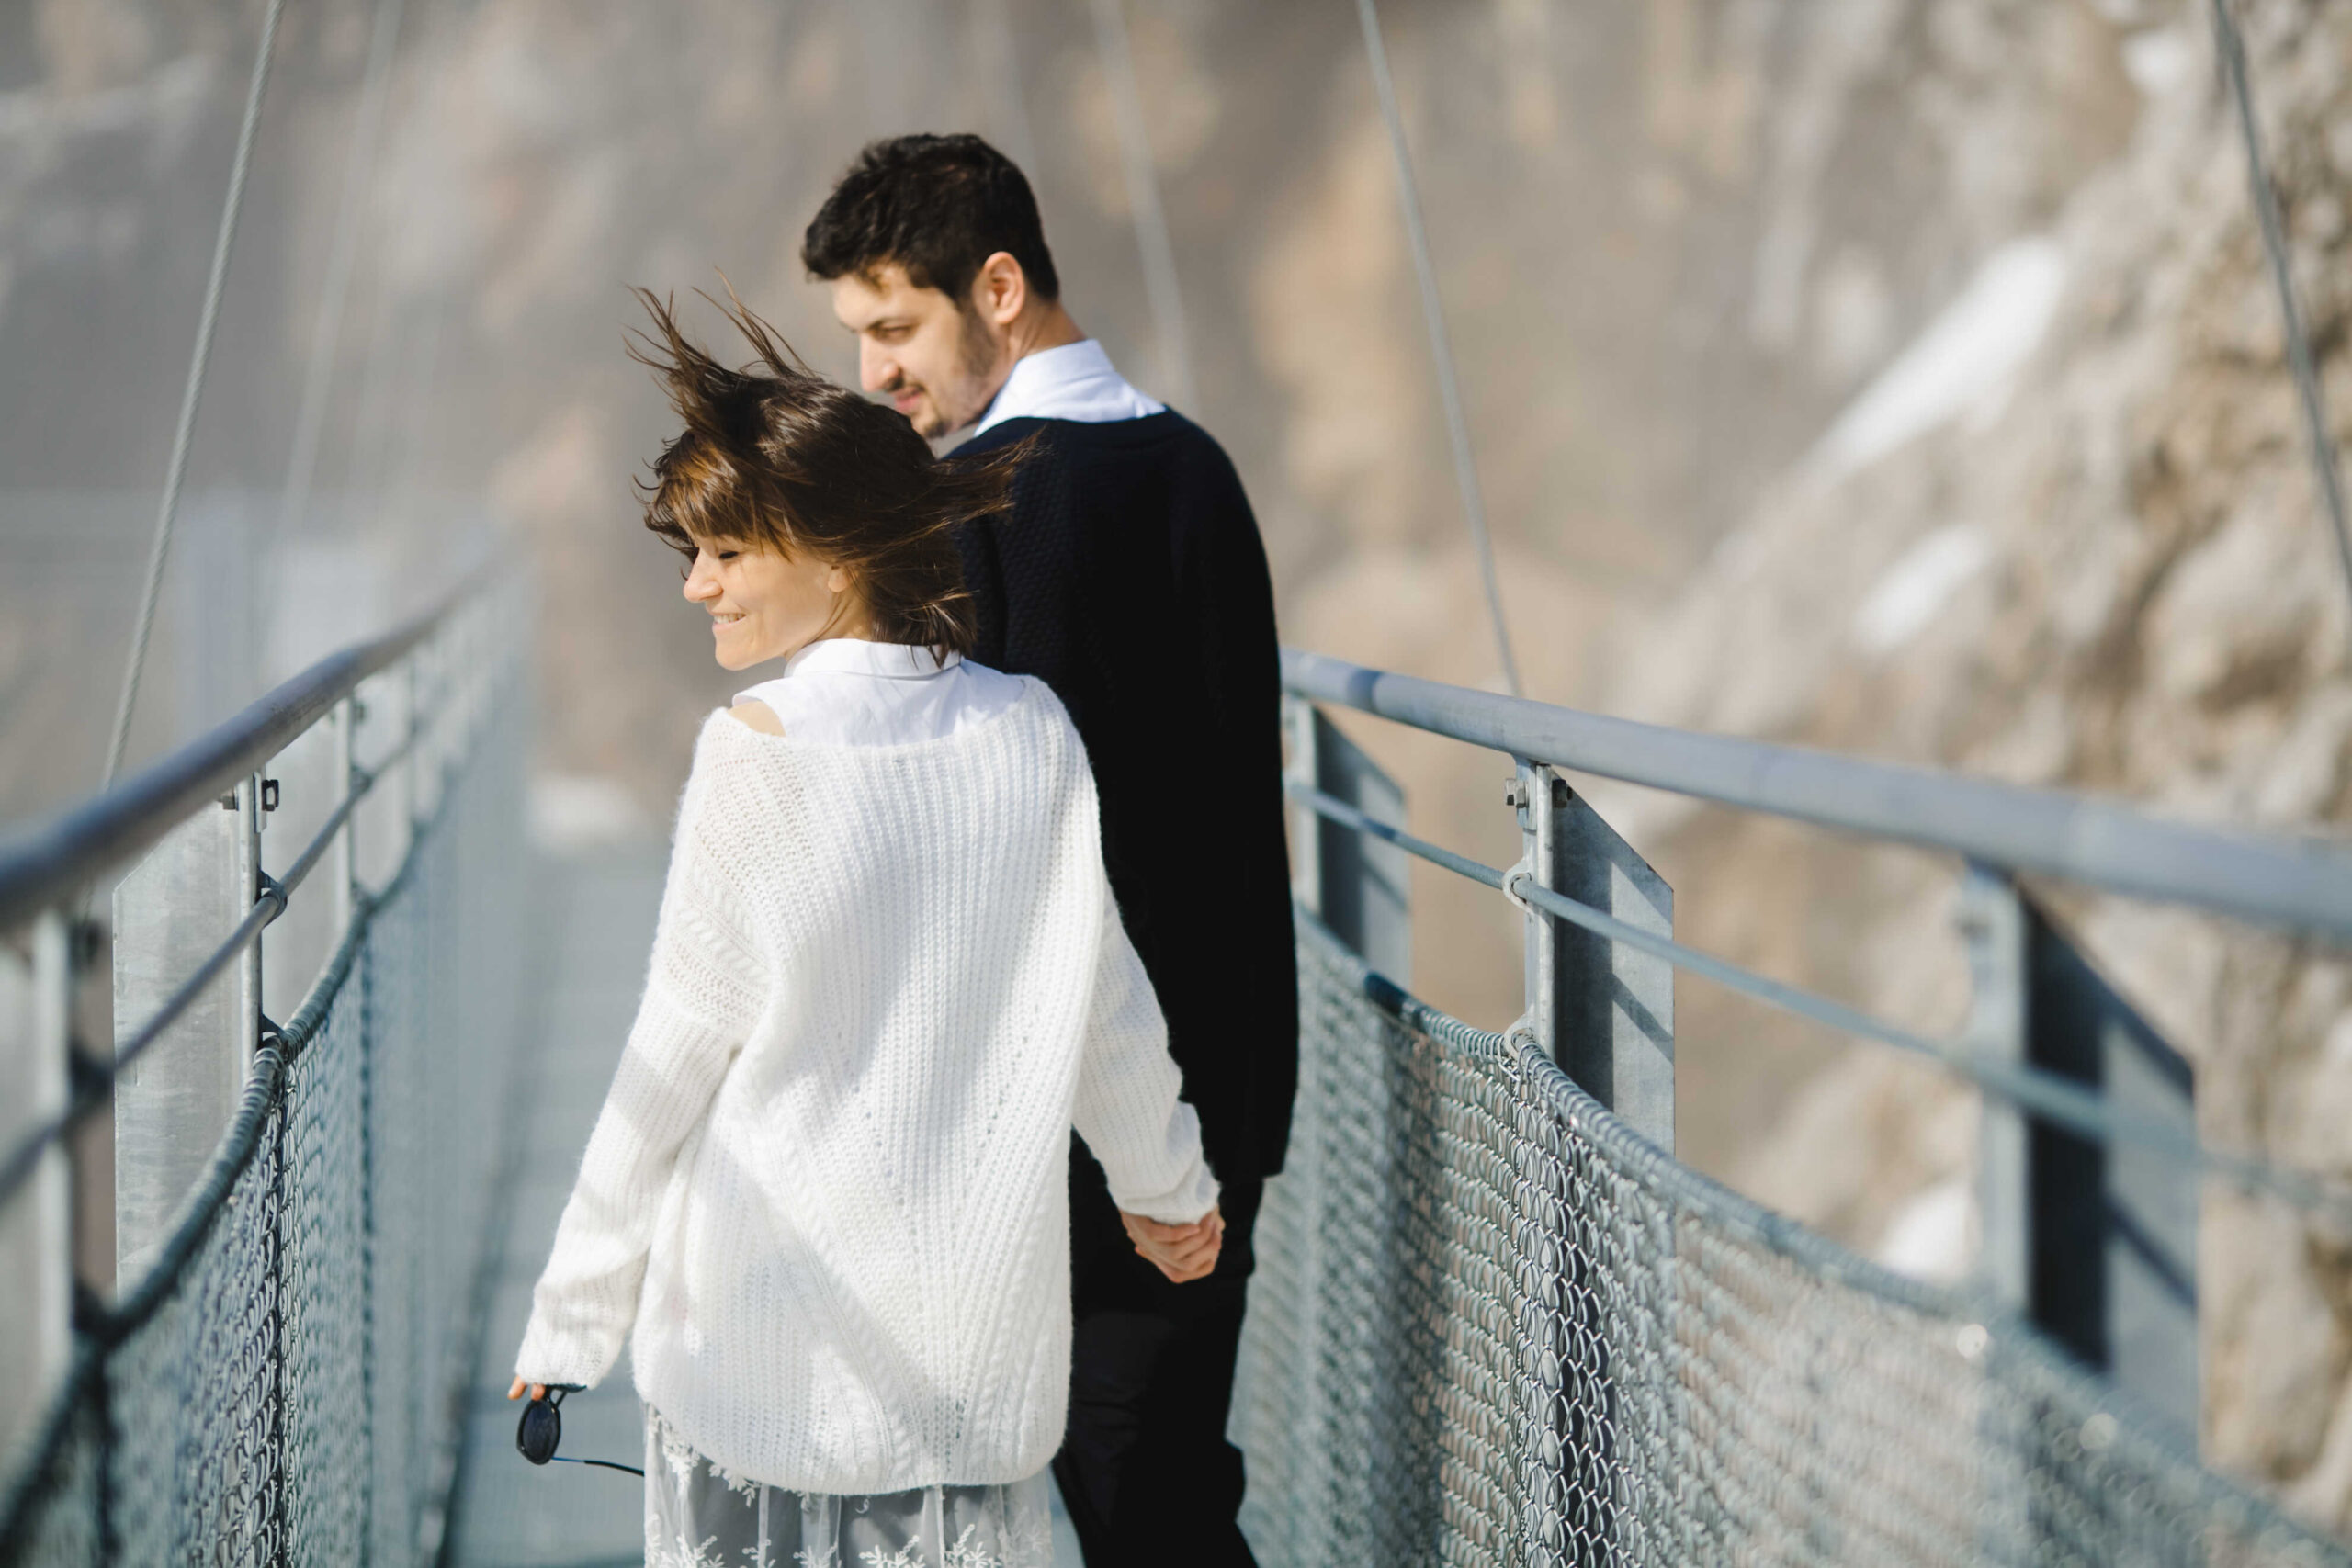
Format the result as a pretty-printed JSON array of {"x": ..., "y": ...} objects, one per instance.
[{"x": 827, "y": 1185}]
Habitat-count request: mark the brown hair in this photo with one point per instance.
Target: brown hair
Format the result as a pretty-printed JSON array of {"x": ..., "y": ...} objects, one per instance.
[{"x": 777, "y": 456}]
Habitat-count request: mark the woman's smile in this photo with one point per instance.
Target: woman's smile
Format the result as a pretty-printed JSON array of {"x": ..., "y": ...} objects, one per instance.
[{"x": 764, "y": 604}]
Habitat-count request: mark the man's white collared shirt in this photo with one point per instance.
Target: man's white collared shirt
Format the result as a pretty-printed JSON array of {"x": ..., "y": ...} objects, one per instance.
[{"x": 1075, "y": 382}]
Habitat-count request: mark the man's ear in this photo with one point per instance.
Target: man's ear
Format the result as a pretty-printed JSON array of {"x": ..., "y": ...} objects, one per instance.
[{"x": 1001, "y": 289}]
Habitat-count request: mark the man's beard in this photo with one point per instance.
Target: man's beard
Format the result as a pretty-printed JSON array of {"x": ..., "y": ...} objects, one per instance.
[
  {"x": 976, "y": 352},
  {"x": 975, "y": 358}
]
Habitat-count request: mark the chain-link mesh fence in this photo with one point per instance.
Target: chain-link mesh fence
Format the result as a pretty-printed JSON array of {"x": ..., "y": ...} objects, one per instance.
[
  {"x": 1490, "y": 1326},
  {"x": 285, "y": 1386}
]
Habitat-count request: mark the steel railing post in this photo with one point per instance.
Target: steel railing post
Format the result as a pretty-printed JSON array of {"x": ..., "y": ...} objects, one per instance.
[
  {"x": 171, "y": 1105},
  {"x": 1992, "y": 926},
  {"x": 37, "y": 1225},
  {"x": 1306, "y": 826},
  {"x": 1355, "y": 885},
  {"x": 1605, "y": 1013},
  {"x": 2096, "y": 1244},
  {"x": 412, "y": 763},
  {"x": 343, "y": 863},
  {"x": 256, "y": 798}
]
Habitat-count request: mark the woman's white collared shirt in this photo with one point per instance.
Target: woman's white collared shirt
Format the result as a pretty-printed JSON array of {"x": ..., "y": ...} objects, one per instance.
[{"x": 846, "y": 692}]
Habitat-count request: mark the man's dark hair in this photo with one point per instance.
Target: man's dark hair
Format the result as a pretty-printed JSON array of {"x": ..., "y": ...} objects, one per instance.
[{"x": 938, "y": 205}]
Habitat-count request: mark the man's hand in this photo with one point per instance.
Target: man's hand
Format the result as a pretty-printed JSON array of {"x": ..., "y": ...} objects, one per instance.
[{"x": 1180, "y": 1252}]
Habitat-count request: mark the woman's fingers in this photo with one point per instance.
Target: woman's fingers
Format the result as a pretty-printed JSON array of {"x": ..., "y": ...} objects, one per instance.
[
  {"x": 1172, "y": 1261},
  {"x": 1193, "y": 1261},
  {"x": 536, "y": 1389},
  {"x": 1199, "y": 1267},
  {"x": 1140, "y": 1227},
  {"x": 1182, "y": 1253},
  {"x": 1196, "y": 1248}
]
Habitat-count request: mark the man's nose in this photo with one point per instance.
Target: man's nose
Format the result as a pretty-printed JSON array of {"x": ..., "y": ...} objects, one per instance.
[{"x": 876, "y": 369}]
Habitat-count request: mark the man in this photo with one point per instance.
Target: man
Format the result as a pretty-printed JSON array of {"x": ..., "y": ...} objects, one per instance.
[{"x": 1130, "y": 577}]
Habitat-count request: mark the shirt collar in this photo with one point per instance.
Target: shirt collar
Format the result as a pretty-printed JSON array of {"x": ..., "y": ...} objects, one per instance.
[
  {"x": 1074, "y": 381},
  {"x": 854, "y": 656}
]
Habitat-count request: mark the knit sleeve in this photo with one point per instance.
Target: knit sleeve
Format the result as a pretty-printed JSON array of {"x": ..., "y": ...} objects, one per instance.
[
  {"x": 1148, "y": 1140},
  {"x": 704, "y": 990}
]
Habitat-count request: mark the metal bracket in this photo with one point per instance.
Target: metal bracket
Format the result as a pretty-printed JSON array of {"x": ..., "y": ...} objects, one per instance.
[
  {"x": 2095, "y": 1242},
  {"x": 1355, "y": 884},
  {"x": 1604, "y": 1013}
]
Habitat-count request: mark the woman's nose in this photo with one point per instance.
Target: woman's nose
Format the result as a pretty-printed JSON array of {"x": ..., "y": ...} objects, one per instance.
[{"x": 701, "y": 585}]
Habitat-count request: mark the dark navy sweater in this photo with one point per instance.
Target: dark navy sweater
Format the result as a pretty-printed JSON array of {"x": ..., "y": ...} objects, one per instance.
[{"x": 1129, "y": 576}]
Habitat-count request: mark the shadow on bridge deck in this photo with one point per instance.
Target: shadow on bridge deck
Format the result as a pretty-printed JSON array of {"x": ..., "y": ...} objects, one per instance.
[{"x": 593, "y": 925}]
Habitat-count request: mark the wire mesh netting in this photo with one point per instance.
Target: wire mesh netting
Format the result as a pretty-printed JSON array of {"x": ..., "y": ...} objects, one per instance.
[
  {"x": 287, "y": 1386},
  {"x": 1491, "y": 1326}
]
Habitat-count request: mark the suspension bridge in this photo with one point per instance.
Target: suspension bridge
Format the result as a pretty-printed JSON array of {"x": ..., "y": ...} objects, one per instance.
[{"x": 358, "y": 1027}]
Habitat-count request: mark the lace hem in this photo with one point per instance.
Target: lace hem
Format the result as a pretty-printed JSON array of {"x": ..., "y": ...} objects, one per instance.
[{"x": 699, "y": 1515}]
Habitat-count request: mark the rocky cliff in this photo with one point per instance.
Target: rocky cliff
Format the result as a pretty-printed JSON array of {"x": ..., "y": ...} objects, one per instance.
[{"x": 2069, "y": 536}]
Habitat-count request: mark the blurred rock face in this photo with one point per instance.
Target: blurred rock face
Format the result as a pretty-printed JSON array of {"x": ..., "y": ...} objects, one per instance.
[
  {"x": 2077, "y": 543},
  {"x": 1893, "y": 375}
]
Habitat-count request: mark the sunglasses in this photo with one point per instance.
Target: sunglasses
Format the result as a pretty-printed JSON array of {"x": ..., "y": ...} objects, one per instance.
[{"x": 540, "y": 1431}]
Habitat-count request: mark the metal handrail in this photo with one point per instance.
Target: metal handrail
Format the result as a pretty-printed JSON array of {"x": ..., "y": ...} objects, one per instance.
[
  {"x": 2062, "y": 1100},
  {"x": 97, "y": 1079},
  {"x": 49, "y": 863},
  {"x": 248, "y": 741},
  {"x": 2269, "y": 879},
  {"x": 439, "y": 732}
]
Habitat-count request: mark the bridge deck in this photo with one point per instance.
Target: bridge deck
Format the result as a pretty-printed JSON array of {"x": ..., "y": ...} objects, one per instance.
[{"x": 594, "y": 921}]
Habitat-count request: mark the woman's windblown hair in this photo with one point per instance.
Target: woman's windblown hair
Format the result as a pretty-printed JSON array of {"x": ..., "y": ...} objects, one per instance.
[{"x": 775, "y": 456}]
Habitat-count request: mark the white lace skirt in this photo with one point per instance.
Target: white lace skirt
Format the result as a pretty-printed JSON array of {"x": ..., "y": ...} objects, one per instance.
[{"x": 698, "y": 1516}]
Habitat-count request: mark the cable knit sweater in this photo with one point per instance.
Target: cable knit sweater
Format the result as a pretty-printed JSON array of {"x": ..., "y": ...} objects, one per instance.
[{"x": 828, "y": 1183}]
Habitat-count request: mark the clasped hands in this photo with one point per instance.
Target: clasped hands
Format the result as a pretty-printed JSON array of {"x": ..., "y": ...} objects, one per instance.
[{"x": 1182, "y": 1252}]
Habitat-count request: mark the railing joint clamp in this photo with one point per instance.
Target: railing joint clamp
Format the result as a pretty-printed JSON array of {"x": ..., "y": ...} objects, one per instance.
[{"x": 1512, "y": 878}]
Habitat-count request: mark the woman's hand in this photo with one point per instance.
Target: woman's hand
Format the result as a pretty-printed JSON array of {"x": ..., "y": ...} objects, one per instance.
[
  {"x": 537, "y": 1390},
  {"x": 1180, "y": 1252}
]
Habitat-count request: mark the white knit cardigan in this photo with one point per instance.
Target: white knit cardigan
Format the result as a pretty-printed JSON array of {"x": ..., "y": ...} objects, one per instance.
[{"x": 829, "y": 1183}]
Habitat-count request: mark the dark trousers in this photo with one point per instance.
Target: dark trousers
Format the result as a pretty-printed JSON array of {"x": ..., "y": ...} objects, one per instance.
[{"x": 1145, "y": 1469}]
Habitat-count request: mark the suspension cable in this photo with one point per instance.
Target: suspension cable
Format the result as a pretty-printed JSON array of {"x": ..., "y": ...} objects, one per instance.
[
  {"x": 1449, "y": 389},
  {"x": 2232, "y": 48},
  {"x": 1143, "y": 201},
  {"x": 176, "y": 474},
  {"x": 326, "y": 327}
]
